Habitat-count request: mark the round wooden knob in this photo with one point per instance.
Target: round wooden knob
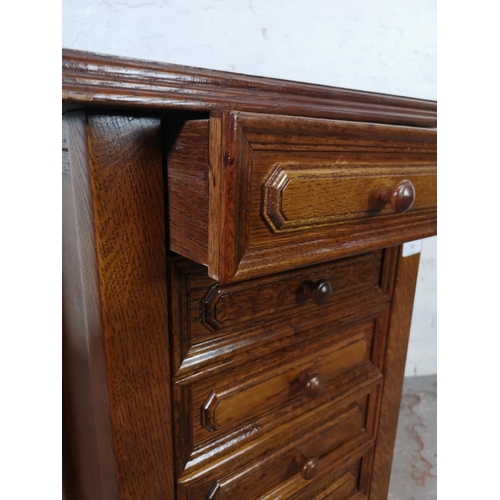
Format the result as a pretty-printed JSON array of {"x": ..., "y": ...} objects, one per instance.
[
  {"x": 319, "y": 292},
  {"x": 310, "y": 469},
  {"x": 313, "y": 386},
  {"x": 401, "y": 196}
]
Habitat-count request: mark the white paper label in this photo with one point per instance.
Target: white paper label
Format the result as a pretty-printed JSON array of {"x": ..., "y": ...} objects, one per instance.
[{"x": 412, "y": 247}]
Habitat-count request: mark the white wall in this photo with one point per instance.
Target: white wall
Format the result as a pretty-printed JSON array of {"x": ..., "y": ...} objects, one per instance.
[
  {"x": 386, "y": 46},
  {"x": 422, "y": 357}
]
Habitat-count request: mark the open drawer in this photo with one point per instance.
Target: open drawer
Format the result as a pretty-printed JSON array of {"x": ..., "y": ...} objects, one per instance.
[{"x": 271, "y": 193}]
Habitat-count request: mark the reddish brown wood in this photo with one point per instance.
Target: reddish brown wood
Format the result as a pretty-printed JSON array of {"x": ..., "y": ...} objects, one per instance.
[
  {"x": 401, "y": 196},
  {"x": 337, "y": 441},
  {"x": 394, "y": 364},
  {"x": 282, "y": 383},
  {"x": 325, "y": 487},
  {"x": 320, "y": 292},
  {"x": 232, "y": 304},
  {"x": 207, "y": 330},
  {"x": 310, "y": 469},
  {"x": 248, "y": 246},
  {"x": 313, "y": 384},
  {"x": 90, "y": 435},
  {"x": 239, "y": 402},
  {"x": 298, "y": 197},
  {"x": 285, "y": 192},
  {"x": 245, "y": 402},
  {"x": 243, "y": 393},
  {"x": 186, "y": 152},
  {"x": 127, "y": 198},
  {"x": 228, "y": 199},
  {"x": 92, "y": 79}
]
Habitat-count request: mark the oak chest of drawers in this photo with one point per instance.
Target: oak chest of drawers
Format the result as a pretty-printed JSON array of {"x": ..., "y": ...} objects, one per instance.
[{"x": 237, "y": 305}]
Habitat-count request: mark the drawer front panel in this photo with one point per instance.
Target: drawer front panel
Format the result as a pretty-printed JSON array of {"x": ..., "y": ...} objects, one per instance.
[
  {"x": 213, "y": 323},
  {"x": 227, "y": 406},
  {"x": 233, "y": 406},
  {"x": 326, "y": 486},
  {"x": 297, "y": 197},
  {"x": 285, "y": 192},
  {"x": 230, "y": 307},
  {"x": 320, "y": 457}
]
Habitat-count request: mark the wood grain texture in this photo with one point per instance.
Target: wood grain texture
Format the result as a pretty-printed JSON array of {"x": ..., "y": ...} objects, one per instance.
[
  {"x": 335, "y": 183},
  {"x": 298, "y": 198},
  {"x": 344, "y": 162},
  {"x": 84, "y": 365},
  {"x": 234, "y": 391},
  {"x": 399, "y": 324},
  {"x": 325, "y": 487},
  {"x": 127, "y": 196},
  {"x": 246, "y": 395},
  {"x": 235, "y": 305},
  {"x": 92, "y": 79},
  {"x": 283, "y": 378},
  {"x": 228, "y": 200},
  {"x": 275, "y": 390},
  {"x": 186, "y": 151},
  {"x": 333, "y": 434},
  {"x": 279, "y": 312}
]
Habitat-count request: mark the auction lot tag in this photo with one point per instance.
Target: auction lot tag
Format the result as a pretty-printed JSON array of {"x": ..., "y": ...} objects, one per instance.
[{"x": 412, "y": 247}]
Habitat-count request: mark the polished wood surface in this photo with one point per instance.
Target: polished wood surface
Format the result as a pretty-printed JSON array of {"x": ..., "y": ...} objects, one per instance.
[
  {"x": 310, "y": 469},
  {"x": 100, "y": 80},
  {"x": 319, "y": 292},
  {"x": 127, "y": 187},
  {"x": 282, "y": 192},
  {"x": 313, "y": 385},
  {"x": 300, "y": 197},
  {"x": 338, "y": 438},
  {"x": 86, "y": 399},
  {"x": 243, "y": 245},
  {"x": 119, "y": 193},
  {"x": 401, "y": 196},
  {"x": 399, "y": 323},
  {"x": 186, "y": 150},
  {"x": 214, "y": 323},
  {"x": 243, "y": 394},
  {"x": 242, "y": 404},
  {"x": 236, "y": 303}
]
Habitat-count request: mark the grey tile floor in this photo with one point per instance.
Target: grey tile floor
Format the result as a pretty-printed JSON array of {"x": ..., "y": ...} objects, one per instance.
[{"x": 414, "y": 468}]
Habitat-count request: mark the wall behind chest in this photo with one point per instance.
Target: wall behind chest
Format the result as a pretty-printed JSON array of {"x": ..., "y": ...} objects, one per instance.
[{"x": 384, "y": 46}]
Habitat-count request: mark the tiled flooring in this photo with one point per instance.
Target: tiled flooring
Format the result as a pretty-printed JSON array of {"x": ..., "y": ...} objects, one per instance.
[{"x": 414, "y": 469}]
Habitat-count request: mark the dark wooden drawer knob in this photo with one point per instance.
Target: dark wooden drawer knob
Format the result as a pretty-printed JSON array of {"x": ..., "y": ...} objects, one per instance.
[
  {"x": 318, "y": 292},
  {"x": 310, "y": 469},
  {"x": 401, "y": 196},
  {"x": 313, "y": 385}
]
